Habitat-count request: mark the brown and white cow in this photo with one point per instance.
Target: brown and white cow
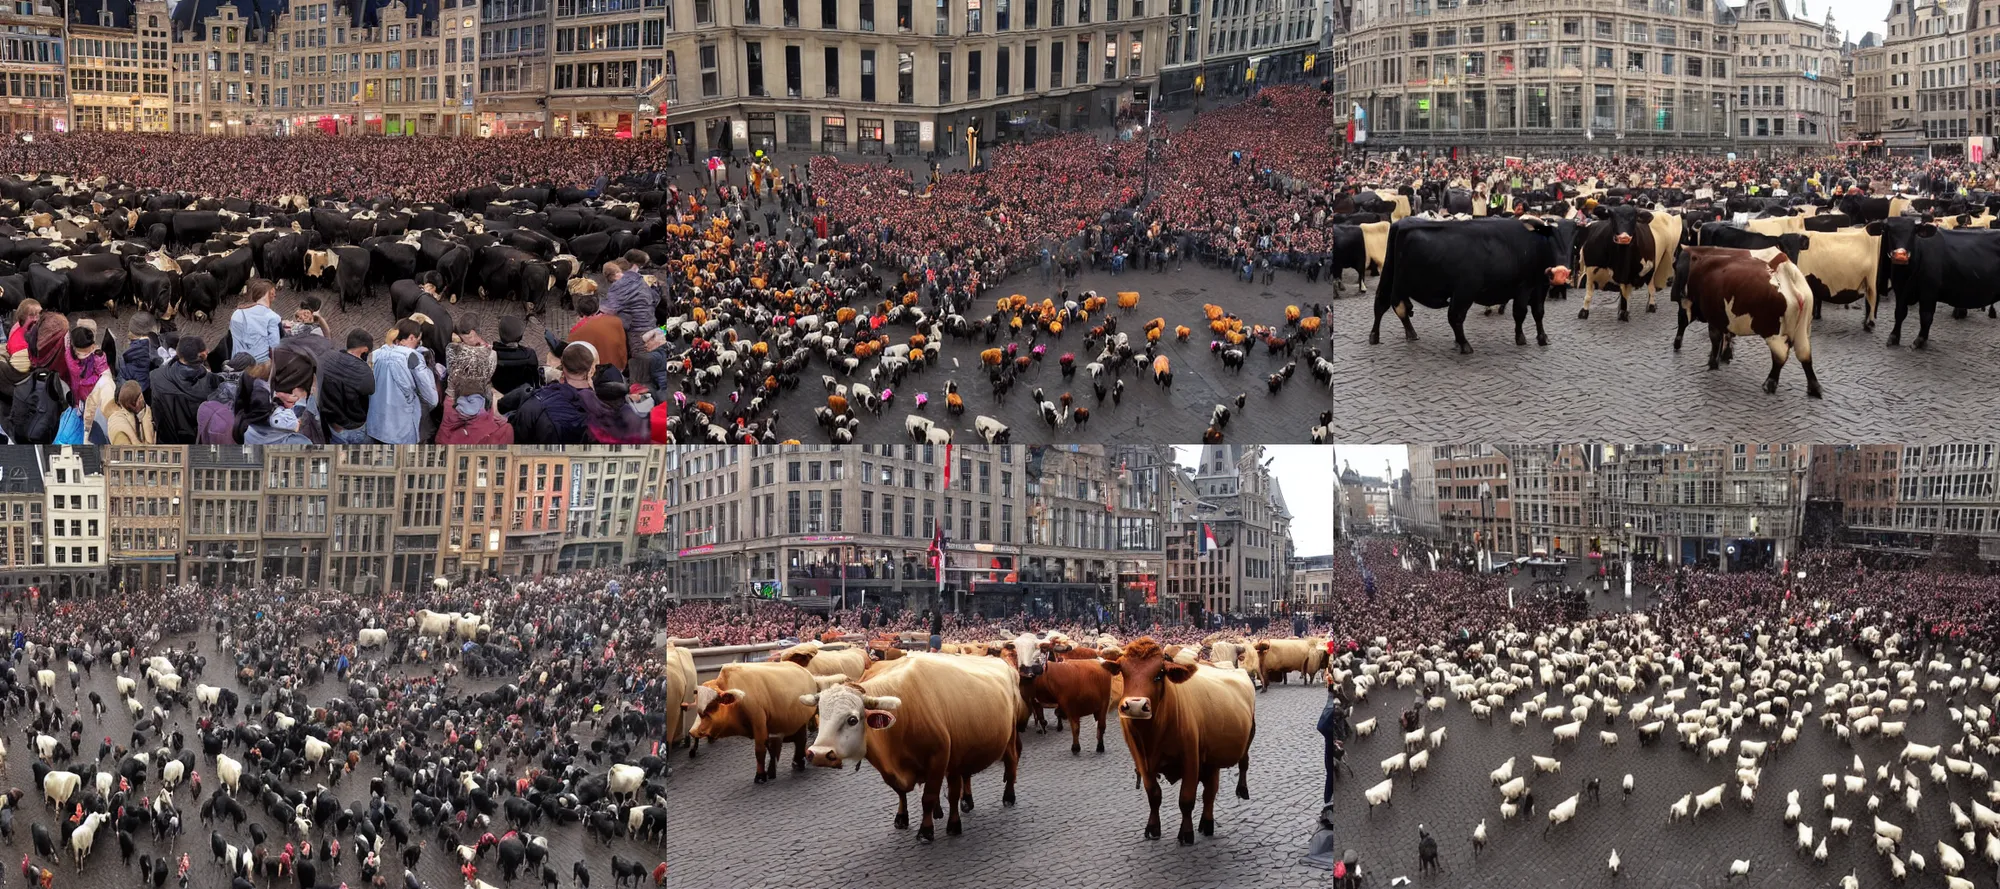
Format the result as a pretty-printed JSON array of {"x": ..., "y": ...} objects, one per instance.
[
  {"x": 928, "y": 719},
  {"x": 1753, "y": 292},
  {"x": 1075, "y": 687},
  {"x": 759, "y": 702},
  {"x": 1186, "y": 723}
]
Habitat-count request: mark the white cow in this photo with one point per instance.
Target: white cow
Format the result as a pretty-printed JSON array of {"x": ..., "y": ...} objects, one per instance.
[
  {"x": 316, "y": 749},
  {"x": 46, "y": 679},
  {"x": 229, "y": 771},
  {"x": 84, "y": 836},
  {"x": 58, "y": 787},
  {"x": 373, "y": 638},
  {"x": 625, "y": 780},
  {"x": 435, "y": 623},
  {"x": 1845, "y": 263}
]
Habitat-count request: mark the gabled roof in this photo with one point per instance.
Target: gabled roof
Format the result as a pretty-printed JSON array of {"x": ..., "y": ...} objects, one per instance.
[
  {"x": 89, "y": 13},
  {"x": 20, "y": 471},
  {"x": 258, "y": 14}
]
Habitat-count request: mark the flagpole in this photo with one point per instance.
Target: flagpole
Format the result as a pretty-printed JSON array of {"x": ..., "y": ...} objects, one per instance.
[{"x": 956, "y": 603}]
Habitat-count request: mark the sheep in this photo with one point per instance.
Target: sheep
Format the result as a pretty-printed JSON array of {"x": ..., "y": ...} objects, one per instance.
[
  {"x": 1911, "y": 796},
  {"x": 1792, "y": 811},
  {"x": 1546, "y": 764},
  {"x": 1805, "y": 838},
  {"x": 1752, "y": 748},
  {"x": 1738, "y": 868},
  {"x": 1479, "y": 837},
  {"x": 1650, "y": 732},
  {"x": 1854, "y": 784},
  {"x": 1628, "y": 785},
  {"x": 1951, "y": 882},
  {"x": 1513, "y": 789},
  {"x": 1437, "y": 738},
  {"x": 1379, "y": 794},
  {"x": 1885, "y": 829},
  {"x": 1819, "y": 851},
  {"x": 1394, "y": 764},
  {"x": 1893, "y": 729},
  {"x": 1748, "y": 794},
  {"x": 1884, "y": 845},
  {"x": 1916, "y": 861},
  {"x": 1567, "y": 732},
  {"x": 1413, "y": 739},
  {"x": 1916, "y": 751},
  {"x": 1562, "y": 812},
  {"x": 1607, "y": 739},
  {"x": 1985, "y": 817},
  {"x": 1613, "y": 863},
  {"x": 1504, "y": 772},
  {"x": 1365, "y": 727},
  {"x": 1841, "y": 826},
  {"x": 1709, "y": 799},
  {"x": 1718, "y": 747},
  {"x": 1508, "y": 810},
  {"x": 1949, "y": 858},
  {"x": 1419, "y": 761}
]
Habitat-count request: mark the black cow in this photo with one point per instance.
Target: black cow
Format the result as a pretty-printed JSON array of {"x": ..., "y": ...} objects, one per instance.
[
  {"x": 390, "y": 259},
  {"x": 191, "y": 227},
  {"x": 1618, "y": 249},
  {"x": 1955, "y": 267},
  {"x": 1517, "y": 259},
  {"x": 157, "y": 289},
  {"x": 496, "y": 271},
  {"x": 232, "y": 270},
  {"x": 1348, "y": 250},
  {"x": 1830, "y": 222},
  {"x": 1866, "y": 209},
  {"x": 407, "y": 298},
  {"x": 285, "y": 258},
  {"x": 75, "y": 283}
]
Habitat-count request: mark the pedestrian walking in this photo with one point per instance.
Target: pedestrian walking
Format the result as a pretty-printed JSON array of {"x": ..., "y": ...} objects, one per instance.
[{"x": 1333, "y": 730}]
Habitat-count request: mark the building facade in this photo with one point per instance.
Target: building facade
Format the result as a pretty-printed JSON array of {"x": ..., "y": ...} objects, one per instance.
[
  {"x": 1903, "y": 499},
  {"x": 1628, "y": 77},
  {"x": 1869, "y": 87},
  {"x": 297, "y": 482},
  {"x": 1787, "y": 78},
  {"x": 118, "y": 66},
  {"x": 362, "y": 507},
  {"x": 32, "y": 70},
  {"x": 147, "y": 488},
  {"x": 420, "y": 516},
  {"x": 225, "y": 497},
  {"x": 1236, "y": 503},
  {"x": 540, "y": 490},
  {"x": 218, "y": 49},
  {"x": 73, "y": 479}
]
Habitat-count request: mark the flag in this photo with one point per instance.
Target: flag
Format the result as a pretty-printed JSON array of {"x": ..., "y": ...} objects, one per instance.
[
  {"x": 1207, "y": 539},
  {"x": 938, "y": 544}
]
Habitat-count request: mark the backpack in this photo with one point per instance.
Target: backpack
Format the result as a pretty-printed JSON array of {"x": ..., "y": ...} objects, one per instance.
[
  {"x": 138, "y": 362},
  {"x": 563, "y": 411},
  {"x": 39, "y": 404},
  {"x": 70, "y": 430}
]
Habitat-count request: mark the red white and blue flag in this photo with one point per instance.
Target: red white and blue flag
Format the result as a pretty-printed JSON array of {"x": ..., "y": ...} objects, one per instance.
[{"x": 1207, "y": 539}]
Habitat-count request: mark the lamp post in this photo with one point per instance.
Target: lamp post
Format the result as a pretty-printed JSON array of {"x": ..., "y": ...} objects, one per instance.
[{"x": 1628, "y": 560}]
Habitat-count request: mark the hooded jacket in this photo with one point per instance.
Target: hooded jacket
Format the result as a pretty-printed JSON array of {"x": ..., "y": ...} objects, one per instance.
[
  {"x": 515, "y": 366},
  {"x": 178, "y": 391},
  {"x": 345, "y": 384},
  {"x": 481, "y": 428}
]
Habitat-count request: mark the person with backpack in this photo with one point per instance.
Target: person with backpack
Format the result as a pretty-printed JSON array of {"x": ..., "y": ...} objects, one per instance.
[
  {"x": 555, "y": 413},
  {"x": 141, "y": 356},
  {"x": 43, "y": 397},
  {"x": 179, "y": 389}
]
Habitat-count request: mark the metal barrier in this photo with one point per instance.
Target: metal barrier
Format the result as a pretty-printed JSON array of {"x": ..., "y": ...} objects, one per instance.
[{"x": 709, "y": 661}]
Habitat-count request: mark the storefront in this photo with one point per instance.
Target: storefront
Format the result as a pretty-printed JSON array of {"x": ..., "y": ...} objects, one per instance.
[
  {"x": 136, "y": 574},
  {"x": 833, "y": 134},
  {"x": 763, "y": 131},
  {"x": 869, "y": 135},
  {"x": 510, "y": 123}
]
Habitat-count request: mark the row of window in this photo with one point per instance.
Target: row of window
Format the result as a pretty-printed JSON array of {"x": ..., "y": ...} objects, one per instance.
[
  {"x": 1542, "y": 107},
  {"x": 973, "y": 82},
  {"x": 975, "y": 19}
]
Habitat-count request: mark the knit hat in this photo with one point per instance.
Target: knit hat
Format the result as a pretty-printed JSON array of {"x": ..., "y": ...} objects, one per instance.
[{"x": 468, "y": 369}]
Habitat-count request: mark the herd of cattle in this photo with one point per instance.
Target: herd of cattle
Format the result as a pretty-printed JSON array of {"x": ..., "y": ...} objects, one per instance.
[
  {"x": 1745, "y": 265},
  {"x": 932, "y": 721},
  {"x": 76, "y": 246}
]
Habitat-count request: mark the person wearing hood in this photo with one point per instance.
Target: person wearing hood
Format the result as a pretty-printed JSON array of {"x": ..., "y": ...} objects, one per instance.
[
  {"x": 87, "y": 363},
  {"x": 41, "y": 397},
  {"x": 179, "y": 389},
  {"x": 346, "y": 385},
  {"x": 216, "y": 419},
  {"x": 515, "y": 365},
  {"x": 264, "y": 419},
  {"x": 471, "y": 414},
  {"x": 405, "y": 387},
  {"x": 128, "y": 420}
]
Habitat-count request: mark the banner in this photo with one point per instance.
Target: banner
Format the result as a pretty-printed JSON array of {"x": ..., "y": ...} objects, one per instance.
[
  {"x": 1357, "y": 126},
  {"x": 652, "y": 516}
]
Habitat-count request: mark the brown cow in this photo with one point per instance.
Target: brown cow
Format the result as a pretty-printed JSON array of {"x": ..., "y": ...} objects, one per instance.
[
  {"x": 1075, "y": 688},
  {"x": 759, "y": 702},
  {"x": 820, "y": 659},
  {"x": 930, "y": 719},
  {"x": 1758, "y": 293},
  {"x": 1186, "y": 723},
  {"x": 680, "y": 691}
]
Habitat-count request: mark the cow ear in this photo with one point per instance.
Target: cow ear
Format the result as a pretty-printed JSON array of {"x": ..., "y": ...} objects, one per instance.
[
  {"x": 1645, "y": 217},
  {"x": 1926, "y": 230},
  {"x": 1177, "y": 671},
  {"x": 811, "y": 700},
  {"x": 732, "y": 696},
  {"x": 1601, "y": 212},
  {"x": 1110, "y": 666},
  {"x": 1876, "y": 229},
  {"x": 880, "y": 719}
]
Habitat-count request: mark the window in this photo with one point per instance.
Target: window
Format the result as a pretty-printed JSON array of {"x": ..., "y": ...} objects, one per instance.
[
  {"x": 753, "y": 56},
  {"x": 1028, "y": 70},
  {"x": 944, "y": 77},
  {"x": 904, "y": 16},
  {"x": 972, "y": 72},
  {"x": 1003, "y": 71},
  {"x": 753, "y": 12},
  {"x": 867, "y": 15},
  {"x": 974, "y": 17},
  {"x": 711, "y": 85},
  {"x": 829, "y": 13},
  {"x": 906, "y": 78}
]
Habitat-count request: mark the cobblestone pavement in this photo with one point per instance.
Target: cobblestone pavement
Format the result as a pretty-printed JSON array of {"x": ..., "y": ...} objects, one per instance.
[
  {"x": 1079, "y": 820},
  {"x": 1625, "y": 381}
]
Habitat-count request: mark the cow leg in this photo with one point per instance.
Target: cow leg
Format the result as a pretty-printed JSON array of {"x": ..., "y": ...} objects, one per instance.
[
  {"x": 902, "y": 808},
  {"x": 760, "y": 747},
  {"x": 1010, "y": 767},
  {"x": 1804, "y": 348},
  {"x": 1779, "y": 350},
  {"x": 1715, "y": 335},
  {"x": 1209, "y": 779},
  {"x": 1075, "y": 734},
  {"x": 1902, "y": 311},
  {"x": 1100, "y": 732},
  {"x": 1537, "y": 305},
  {"x": 1589, "y": 290},
  {"x": 1624, "y": 302},
  {"x": 965, "y": 792},
  {"x": 1926, "y": 310},
  {"x": 1681, "y": 320},
  {"x": 928, "y": 831},
  {"x": 1190, "y": 783},
  {"x": 798, "y": 753},
  {"x": 1868, "y": 323},
  {"x": 1456, "y": 314},
  {"x": 1152, "y": 783},
  {"x": 954, "y": 790},
  {"x": 1243, "y": 767}
]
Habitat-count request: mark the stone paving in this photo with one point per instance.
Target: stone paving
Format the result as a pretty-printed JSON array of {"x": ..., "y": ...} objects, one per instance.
[{"x": 1080, "y": 820}]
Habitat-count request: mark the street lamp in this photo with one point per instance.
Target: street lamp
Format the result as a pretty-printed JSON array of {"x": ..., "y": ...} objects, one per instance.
[{"x": 1628, "y": 560}]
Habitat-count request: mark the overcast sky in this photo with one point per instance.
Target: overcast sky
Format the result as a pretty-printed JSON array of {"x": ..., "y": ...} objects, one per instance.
[
  {"x": 1305, "y": 472},
  {"x": 1853, "y": 17}
]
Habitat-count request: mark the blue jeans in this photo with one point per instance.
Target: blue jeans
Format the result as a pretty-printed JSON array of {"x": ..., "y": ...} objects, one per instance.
[{"x": 357, "y": 435}]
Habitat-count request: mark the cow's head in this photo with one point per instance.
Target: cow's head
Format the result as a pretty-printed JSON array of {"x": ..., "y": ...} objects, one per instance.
[
  {"x": 1026, "y": 654},
  {"x": 1147, "y": 672},
  {"x": 846, "y": 715},
  {"x": 1562, "y": 235},
  {"x": 718, "y": 713},
  {"x": 1625, "y": 220},
  {"x": 1899, "y": 236}
]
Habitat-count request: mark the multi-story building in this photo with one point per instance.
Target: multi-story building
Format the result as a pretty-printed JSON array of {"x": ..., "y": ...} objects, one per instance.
[
  {"x": 1727, "y": 505},
  {"x": 297, "y": 482},
  {"x": 363, "y": 506},
  {"x": 117, "y": 64},
  {"x": 225, "y": 498},
  {"x": 1982, "y": 23},
  {"x": 1928, "y": 73},
  {"x": 22, "y": 537},
  {"x": 905, "y": 75},
  {"x": 1233, "y": 46},
  {"x": 1903, "y": 499},
  {"x": 1474, "y": 494},
  {"x": 222, "y": 58},
  {"x": 477, "y": 518},
  {"x": 1312, "y": 580},
  {"x": 540, "y": 490},
  {"x": 1236, "y": 501},
  {"x": 419, "y": 531},
  {"x": 459, "y": 36},
  {"x": 73, "y": 479},
  {"x": 31, "y": 68},
  {"x": 146, "y": 485},
  {"x": 1873, "y": 106},
  {"x": 1625, "y": 77},
  {"x": 1089, "y": 520},
  {"x": 1787, "y": 78},
  {"x": 603, "y": 53},
  {"x": 604, "y": 482},
  {"x": 514, "y": 64}
]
